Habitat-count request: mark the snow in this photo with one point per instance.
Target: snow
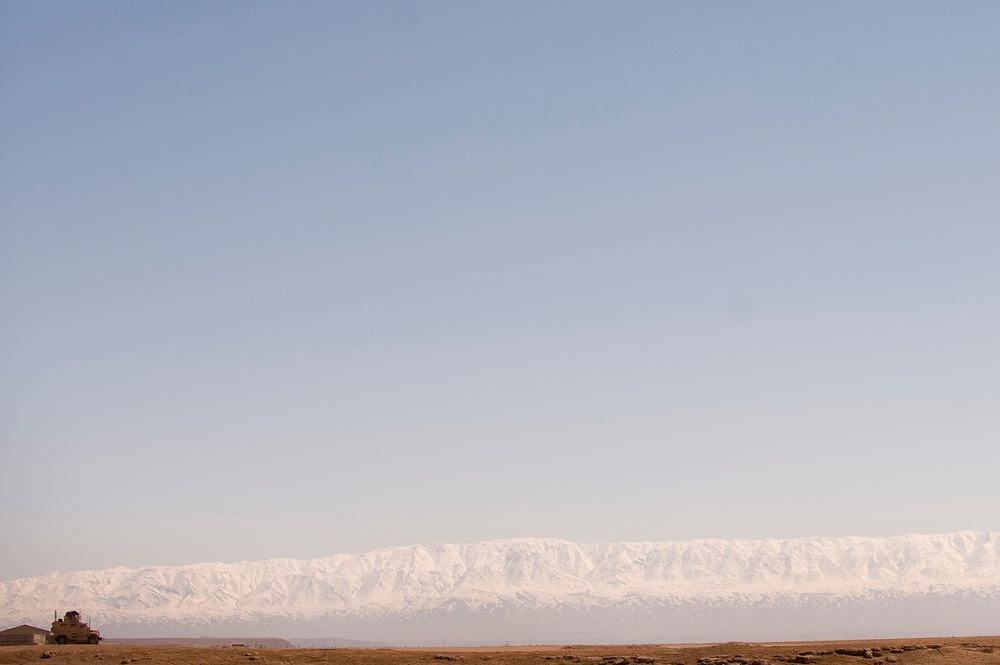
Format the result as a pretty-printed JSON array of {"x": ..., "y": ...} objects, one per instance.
[{"x": 527, "y": 572}]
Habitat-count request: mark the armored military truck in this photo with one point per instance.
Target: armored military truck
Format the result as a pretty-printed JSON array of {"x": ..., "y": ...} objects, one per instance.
[{"x": 70, "y": 630}]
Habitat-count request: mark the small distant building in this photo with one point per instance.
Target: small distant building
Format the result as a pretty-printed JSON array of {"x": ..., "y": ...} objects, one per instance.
[{"x": 23, "y": 634}]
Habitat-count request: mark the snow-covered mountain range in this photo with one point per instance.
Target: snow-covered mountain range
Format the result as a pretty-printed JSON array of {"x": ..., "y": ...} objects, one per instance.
[{"x": 546, "y": 590}]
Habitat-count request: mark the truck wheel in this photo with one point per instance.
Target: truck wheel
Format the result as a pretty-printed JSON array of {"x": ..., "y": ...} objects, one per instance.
[
  {"x": 61, "y": 639},
  {"x": 92, "y": 639}
]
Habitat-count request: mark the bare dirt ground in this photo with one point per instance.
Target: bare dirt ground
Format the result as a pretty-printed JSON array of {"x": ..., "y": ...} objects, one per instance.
[{"x": 930, "y": 651}]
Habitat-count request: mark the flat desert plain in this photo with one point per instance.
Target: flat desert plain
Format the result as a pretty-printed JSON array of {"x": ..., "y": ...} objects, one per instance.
[{"x": 931, "y": 651}]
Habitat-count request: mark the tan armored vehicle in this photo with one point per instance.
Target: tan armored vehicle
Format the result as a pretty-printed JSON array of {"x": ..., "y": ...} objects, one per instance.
[{"x": 70, "y": 630}]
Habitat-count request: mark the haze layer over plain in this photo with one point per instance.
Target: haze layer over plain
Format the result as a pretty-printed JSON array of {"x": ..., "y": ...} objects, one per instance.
[{"x": 294, "y": 279}]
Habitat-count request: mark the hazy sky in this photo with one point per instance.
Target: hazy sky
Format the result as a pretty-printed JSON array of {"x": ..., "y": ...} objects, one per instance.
[{"x": 295, "y": 279}]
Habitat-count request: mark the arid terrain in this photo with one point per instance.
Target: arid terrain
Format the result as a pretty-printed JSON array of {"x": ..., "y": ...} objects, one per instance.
[{"x": 936, "y": 651}]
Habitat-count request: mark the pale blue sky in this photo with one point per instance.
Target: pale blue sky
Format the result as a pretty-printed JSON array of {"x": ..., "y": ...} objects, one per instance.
[{"x": 295, "y": 279}]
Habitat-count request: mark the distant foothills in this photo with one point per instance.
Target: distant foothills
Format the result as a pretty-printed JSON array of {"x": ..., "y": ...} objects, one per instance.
[{"x": 547, "y": 591}]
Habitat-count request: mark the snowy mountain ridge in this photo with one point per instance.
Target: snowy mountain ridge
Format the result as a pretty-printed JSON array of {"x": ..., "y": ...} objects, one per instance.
[
  {"x": 540, "y": 568},
  {"x": 517, "y": 575}
]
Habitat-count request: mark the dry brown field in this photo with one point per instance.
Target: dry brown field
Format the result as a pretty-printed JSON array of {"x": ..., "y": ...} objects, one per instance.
[{"x": 931, "y": 651}]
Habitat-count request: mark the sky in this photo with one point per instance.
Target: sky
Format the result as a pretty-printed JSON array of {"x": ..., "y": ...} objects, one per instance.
[{"x": 305, "y": 278}]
